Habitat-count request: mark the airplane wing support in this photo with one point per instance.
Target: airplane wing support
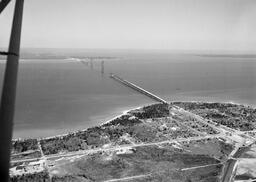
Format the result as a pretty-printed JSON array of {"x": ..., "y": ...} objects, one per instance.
[
  {"x": 3, "y": 4},
  {"x": 7, "y": 105}
]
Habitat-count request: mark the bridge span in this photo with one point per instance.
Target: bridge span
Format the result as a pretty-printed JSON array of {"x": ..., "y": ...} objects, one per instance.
[{"x": 138, "y": 89}]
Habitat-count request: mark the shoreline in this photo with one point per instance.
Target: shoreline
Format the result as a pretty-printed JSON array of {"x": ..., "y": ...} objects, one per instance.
[
  {"x": 72, "y": 132},
  {"x": 124, "y": 112}
]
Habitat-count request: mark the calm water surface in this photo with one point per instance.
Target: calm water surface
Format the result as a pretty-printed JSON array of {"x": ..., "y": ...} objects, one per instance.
[{"x": 58, "y": 96}]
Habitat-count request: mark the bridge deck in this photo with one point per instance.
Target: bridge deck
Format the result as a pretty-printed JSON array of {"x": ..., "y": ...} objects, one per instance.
[{"x": 139, "y": 89}]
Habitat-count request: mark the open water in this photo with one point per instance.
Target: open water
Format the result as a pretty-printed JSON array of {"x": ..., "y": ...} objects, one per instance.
[{"x": 56, "y": 96}]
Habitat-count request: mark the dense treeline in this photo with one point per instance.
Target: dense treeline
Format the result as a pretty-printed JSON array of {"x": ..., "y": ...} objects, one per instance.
[
  {"x": 231, "y": 115},
  {"x": 24, "y": 145},
  {"x": 58, "y": 144},
  {"x": 153, "y": 111},
  {"x": 111, "y": 132},
  {"x": 97, "y": 136},
  {"x": 92, "y": 137}
]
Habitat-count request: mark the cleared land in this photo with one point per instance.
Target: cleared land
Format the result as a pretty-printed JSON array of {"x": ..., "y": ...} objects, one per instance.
[{"x": 147, "y": 162}]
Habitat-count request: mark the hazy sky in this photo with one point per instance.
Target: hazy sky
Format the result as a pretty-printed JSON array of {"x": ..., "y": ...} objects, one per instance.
[{"x": 136, "y": 24}]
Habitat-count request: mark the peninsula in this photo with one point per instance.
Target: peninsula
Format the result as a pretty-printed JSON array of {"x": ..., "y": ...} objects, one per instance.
[{"x": 177, "y": 141}]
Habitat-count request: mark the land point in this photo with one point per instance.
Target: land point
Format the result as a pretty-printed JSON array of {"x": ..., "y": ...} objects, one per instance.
[{"x": 178, "y": 141}]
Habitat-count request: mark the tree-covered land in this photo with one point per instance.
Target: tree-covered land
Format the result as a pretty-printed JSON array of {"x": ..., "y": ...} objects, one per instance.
[{"x": 232, "y": 115}]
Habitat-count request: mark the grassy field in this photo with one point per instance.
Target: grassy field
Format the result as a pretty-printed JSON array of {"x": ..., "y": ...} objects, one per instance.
[{"x": 158, "y": 163}]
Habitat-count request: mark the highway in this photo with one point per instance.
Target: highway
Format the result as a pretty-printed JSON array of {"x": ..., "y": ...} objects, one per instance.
[
  {"x": 229, "y": 168},
  {"x": 91, "y": 151},
  {"x": 196, "y": 167}
]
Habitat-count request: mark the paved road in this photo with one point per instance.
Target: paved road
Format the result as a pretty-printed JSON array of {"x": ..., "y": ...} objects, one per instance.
[
  {"x": 196, "y": 167},
  {"x": 40, "y": 148},
  {"x": 131, "y": 146},
  {"x": 25, "y": 153},
  {"x": 86, "y": 152},
  {"x": 231, "y": 164}
]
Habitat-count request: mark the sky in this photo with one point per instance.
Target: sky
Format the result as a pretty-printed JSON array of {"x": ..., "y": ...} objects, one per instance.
[{"x": 136, "y": 24}]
